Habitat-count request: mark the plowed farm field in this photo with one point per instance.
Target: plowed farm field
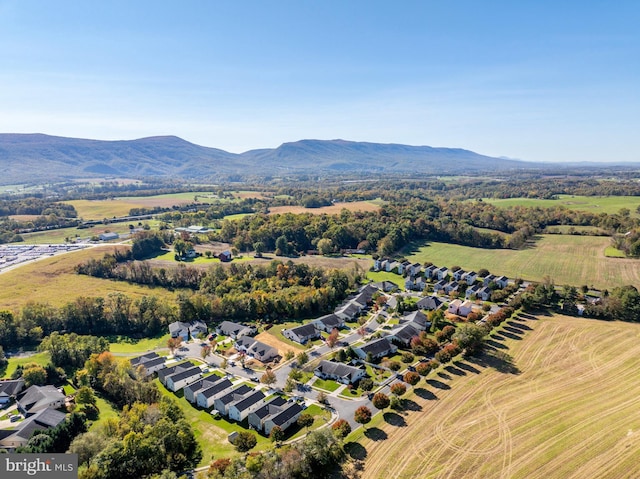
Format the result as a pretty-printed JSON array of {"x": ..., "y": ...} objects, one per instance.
[{"x": 554, "y": 397}]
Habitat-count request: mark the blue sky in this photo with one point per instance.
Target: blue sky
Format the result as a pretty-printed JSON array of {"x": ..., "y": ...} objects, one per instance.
[{"x": 536, "y": 80}]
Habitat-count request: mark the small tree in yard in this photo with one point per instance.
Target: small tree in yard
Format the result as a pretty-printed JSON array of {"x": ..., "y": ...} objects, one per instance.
[
  {"x": 305, "y": 420},
  {"x": 245, "y": 441},
  {"x": 268, "y": 378},
  {"x": 277, "y": 434},
  {"x": 205, "y": 351},
  {"x": 174, "y": 343},
  {"x": 380, "y": 401},
  {"x": 366, "y": 384},
  {"x": 398, "y": 389},
  {"x": 332, "y": 339},
  {"x": 411, "y": 377},
  {"x": 424, "y": 368},
  {"x": 289, "y": 355},
  {"x": 302, "y": 358},
  {"x": 396, "y": 403},
  {"x": 341, "y": 428},
  {"x": 407, "y": 357},
  {"x": 322, "y": 398},
  {"x": 362, "y": 415}
]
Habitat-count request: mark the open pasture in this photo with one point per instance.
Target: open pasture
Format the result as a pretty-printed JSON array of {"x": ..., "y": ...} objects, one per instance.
[
  {"x": 53, "y": 280},
  {"x": 566, "y": 407},
  {"x": 567, "y": 259},
  {"x": 595, "y": 204},
  {"x": 99, "y": 209},
  {"x": 334, "y": 209}
]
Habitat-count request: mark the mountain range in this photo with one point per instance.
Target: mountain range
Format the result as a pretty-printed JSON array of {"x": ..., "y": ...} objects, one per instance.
[{"x": 37, "y": 157}]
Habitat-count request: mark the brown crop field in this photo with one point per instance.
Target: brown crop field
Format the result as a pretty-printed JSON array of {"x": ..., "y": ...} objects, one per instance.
[
  {"x": 329, "y": 210},
  {"x": 53, "y": 280},
  {"x": 565, "y": 406}
]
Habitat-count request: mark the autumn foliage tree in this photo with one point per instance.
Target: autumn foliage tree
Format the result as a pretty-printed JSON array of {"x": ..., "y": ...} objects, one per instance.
[
  {"x": 341, "y": 428},
  {"x": 398, "y": 389},
  {"x": 380, "y": 400},
  {"x": 411, "y": 377},
  {"x": 268, "y": 377},
  {"x": 332, "y": 339},
  {"x": 362, "y": 415}
]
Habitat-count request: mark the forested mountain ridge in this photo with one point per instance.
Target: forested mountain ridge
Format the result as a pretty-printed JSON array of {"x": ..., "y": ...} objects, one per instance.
[{"x": 33, "y": 157}]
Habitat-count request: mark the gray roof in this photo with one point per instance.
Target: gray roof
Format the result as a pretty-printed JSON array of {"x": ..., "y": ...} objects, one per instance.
[
  {"x": 179, "y": 376},
  {"x": 216, "y": 388},
  {"x": 143, "y": 359},
  {"x": 330, "y": 320},
  {"x": 417, "y": 317},
  {"x": 249, "y": 400},
  {"x": 178, "y": 327},
  {"x": 284, "y": 416},
  {"x": 230, "y": 328},
  {"x": 337, "y": 369},
  {"x": 36, "y": 396},
  {"x": 305, "y": 330},
  {"x": 166, "y": 372},
  {"x": 406, "y": 332},
  {"x": 43, "y": 419},
  {"x": 272, "y": 407},
  {"x": 12, "y": 387},
  {"x": 429, "y": 302},
  {"x": 376, "y": 347},
  {"x": 236, "y": 394}
]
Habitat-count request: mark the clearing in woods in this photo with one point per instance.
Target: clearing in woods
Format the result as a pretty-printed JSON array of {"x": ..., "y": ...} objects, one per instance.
[
  {"x": 567, "y": 259},
  {"x": 566, "y": 406},
  {"x": 334, "y": 209}
]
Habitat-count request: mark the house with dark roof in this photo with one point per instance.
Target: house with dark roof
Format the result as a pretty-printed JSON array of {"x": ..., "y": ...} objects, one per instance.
[
  {"x": 206, "y": 397},
  {"x": 417, "y": 318},
  {"x": 415, "y": 283},
  {"x": 239, "y": 410},
  {"x": 179, "y": 329},
  {"x": 472, "y": 290},
  {"x": 285, "y": 418},
  {"x": 429, "y": 271},
  {"x": 222, "y": 403},
  {"x": 273, "y": 407},
  {"x": 10, "y": 387},
  {"x": 502, "y": 281},
  {"x": 178, "y": 380},
  {"x": 457, "y": 275},
  {"x": 470, "y": 277},
  {"x": 328, "y": 323},
  {"x": 378, "y": 348},
  {"x": 403, "y": 334},
  {"x": 340, "y": 372},
  {"x": 43, "y": 419},
  {"x": 256, "y": 349},
  {"x": 439, "y": 286},
  {"x": 487, "y": 280},
  {"x": 430, "y": 303},
  {"x": 442, "y": 273},
  {"x": 164, "y": 373},
  {"x": 302, "y": 334},
  {"x": 235, "y": 330},
  {"x": 190, "y": 391},
  {"x": 386, "y": 286},
  {"x": 484, "y": 293},
  {"x": 36, "y": 398},
  {"x": 151, "y": 363},
  {"x": 348, "y": 311}
]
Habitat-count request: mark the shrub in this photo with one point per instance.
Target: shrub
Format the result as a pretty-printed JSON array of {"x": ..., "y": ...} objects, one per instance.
[{"x": 407, "y": 357}]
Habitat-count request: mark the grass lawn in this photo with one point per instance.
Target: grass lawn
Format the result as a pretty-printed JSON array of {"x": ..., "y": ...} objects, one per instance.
[
  {"x": 39, "y": 358},
  {"x": 124, "y": 344},
  {"x": 53, "y": 280},
  {"x": 276, "y": 331},
  {"x": 567, "y": 259},
  {"x": 326, "y": 384},
  {"x": 379, "y": 276},
  {"x": 595, "y": 204},
  {"x": 611, "y": 252},
  {"x": 320, "y": 418}
]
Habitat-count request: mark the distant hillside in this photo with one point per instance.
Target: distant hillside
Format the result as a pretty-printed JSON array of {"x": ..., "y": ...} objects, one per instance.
[{"x": 36, "y": 157}]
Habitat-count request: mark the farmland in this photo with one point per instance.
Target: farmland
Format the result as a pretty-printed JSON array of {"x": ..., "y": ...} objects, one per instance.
[
  {"x": 567, "y": 259},
  {"x": 53, "y": 280},
  {"x": 567, "y": 408},
  {"x": 329, "y": 210},
  {"x": 99, "y": 209},
  {"x": 594, "y": 204}
]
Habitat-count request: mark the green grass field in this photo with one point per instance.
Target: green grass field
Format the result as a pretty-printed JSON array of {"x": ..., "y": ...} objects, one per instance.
[
  {"x": 574, "y": 260},
  {"x": 379, "y": 276},
  {"x": 40, "y": 358},
  {"x": 596, "y": 204},
  {"x": 136, "y": 346}
]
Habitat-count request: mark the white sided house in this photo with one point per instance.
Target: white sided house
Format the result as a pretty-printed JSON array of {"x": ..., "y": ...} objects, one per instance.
[
  {"x": 273, "y": 407},
  {"x": 235, "y": 330},
  {"x": 329, "y": 322},
  {"x": 239, "y": 410},
  {"x": 37, "y": 398},
  {"x": 340, "y": 372},
  {"x": 378, "y": 349},
  {"x": 302, "y": 334},
  {"x": 256, "y": 349},
  {"x": 177, "y": 381},
  {"x": 205, "y": 397},
  {"x": 285, "y": 418},
  {"x": 223, "y": 402}
]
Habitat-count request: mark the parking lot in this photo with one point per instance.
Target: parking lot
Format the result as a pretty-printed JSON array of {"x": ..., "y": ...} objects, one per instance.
[{"x": 13, "y": 255}]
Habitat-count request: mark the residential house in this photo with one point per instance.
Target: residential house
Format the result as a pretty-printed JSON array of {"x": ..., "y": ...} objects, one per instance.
[
  {"x": 383, "y": 265},
  {"x": 457, "y": 275},
  {"x": 328, "y": 323},
  {"x": 239, "y": 410},
  {"x": 234, "y": 330},
  {"x": 472, "y": 290},
  {"x": 391, "y": 266},
  {"x": 453, "y": 306},
  {"x": 36, "y": 398},
  {"x": 502, "y": 281},
  {"x": 487, "y": 280},
  {"x": 348, "y": 310},
  {"x": 403, "y": 266},
  {"x": 439, "y": 286},
  {"x": 451, "y": 287},
  {"x": 302, "y": 334},
  {"x": 222, "y": 403},
  {"x": 9, "y": 388},
  {"x": 378, "y": 349},
  {"x": 179, "y": 329},
  {"x": 484, "y": 293},
  {"x": 225, "y": 256},
  {"x": 418, "y": 318},
  {"x": 273, "y": 407},
  {"x": 178, "y": 380},
  {"x": 151, "y": 363},
  {"x": 340, "y": 372},
  {"x": 205, "y": 398},
  {"x": 465, "y": 308},
  {"x": 377, "y": 264},
  {"x": 430, "y": 271},
  {"x": 285, "y": 418},
  {"x": 198, "y": 327},
  {"x": 415, "y": 269},
  {"x": 164, "y": 373},
  {"x": 404, "y": 333},
  {"x": 386, "y": 286},
  {"x": 470, "y": 277},
  {"x": 191, "y": 391},
  {"x": 42, "y": 420},
  {"x": 429, "y": 302},
  {"x": 256, "y": 349},
  {"x": 415, "y": 283},
  {"x": 442, "y": 273}
]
